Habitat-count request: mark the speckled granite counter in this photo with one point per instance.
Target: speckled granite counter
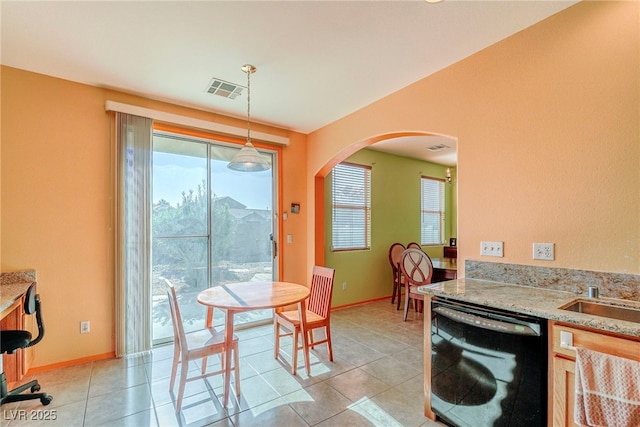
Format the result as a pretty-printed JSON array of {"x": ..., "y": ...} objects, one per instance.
[
  {"x": 536, "y": 301},
  {"x": 13, "y": 285}
]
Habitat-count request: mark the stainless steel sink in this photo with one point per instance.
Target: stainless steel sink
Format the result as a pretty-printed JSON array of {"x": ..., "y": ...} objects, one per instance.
[{"x": 601, "y": 309}]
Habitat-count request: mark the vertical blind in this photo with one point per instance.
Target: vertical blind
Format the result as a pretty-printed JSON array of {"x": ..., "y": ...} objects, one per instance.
[
  {"x": 432, "y": 213},
  {"x": 133, "y": 266},
  {"x": 351, "y": 207}
]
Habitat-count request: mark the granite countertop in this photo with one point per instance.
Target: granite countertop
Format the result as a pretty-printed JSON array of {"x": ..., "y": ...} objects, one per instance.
[
  {"x": 13, "y": 286},
  {"x": 539, "y": 302}
]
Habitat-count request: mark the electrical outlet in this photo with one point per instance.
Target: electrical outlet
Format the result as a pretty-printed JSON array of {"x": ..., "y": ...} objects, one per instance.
[
  {"x": 543, "y": 251},
  {"x": 344, "y": 286},
  {"x": 491, "y": 249},
  {"x": 85, "y": 327}
]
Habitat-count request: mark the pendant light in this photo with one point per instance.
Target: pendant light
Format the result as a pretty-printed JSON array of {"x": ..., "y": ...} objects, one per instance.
[{"x": 248, "y": 159}]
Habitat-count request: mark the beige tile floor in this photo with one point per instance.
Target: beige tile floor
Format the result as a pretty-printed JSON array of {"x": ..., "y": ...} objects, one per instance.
[{"x": 376, "y": 379}]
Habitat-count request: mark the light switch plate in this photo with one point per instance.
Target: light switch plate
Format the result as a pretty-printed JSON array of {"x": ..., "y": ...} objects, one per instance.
[{"x": 491, "y": 249}]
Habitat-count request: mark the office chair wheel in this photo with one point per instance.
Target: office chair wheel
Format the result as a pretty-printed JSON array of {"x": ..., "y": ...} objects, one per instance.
[
  {"x": 35, "y": 388},
  {"x": 46, "y": 399}
]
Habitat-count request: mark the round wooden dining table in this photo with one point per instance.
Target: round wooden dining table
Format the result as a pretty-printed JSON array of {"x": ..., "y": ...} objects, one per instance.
[{"x": 244, "y": 296}]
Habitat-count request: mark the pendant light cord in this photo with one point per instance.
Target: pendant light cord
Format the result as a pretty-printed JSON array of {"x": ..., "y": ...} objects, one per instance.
[{"x": 249, "y": 70}]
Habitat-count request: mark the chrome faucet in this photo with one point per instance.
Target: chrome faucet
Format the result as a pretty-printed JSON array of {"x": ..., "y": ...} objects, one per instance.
[{"x": 593, "y": 292}]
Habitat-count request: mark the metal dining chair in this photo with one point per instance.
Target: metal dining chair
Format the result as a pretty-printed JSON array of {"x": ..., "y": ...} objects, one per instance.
[{"x": 417, "y": 269}]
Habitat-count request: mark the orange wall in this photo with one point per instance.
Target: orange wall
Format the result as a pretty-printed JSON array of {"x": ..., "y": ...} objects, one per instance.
[
  {"x": 57, "y": 195},
  {"x": 548, "y": 130}
]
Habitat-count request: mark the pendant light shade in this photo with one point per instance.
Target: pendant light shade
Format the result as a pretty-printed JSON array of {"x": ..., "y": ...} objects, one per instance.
[{"x": 248, "y": 159}]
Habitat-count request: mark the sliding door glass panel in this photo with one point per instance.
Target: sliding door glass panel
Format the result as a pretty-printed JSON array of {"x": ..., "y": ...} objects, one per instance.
[
  {"x": 210, "y": 226},
  {"x": 241, "y": 226},
  {"x": 180, "y": 231}
]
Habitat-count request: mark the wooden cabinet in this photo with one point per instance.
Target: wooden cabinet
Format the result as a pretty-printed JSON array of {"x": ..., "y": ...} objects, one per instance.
[
  {"x": 562, "y": 365},
  {"x": 564, "y": 371},
  {"x": 443, "y": 274},
  {"x": 451, "y": 252},
  {"x": 14, "y": 365}
]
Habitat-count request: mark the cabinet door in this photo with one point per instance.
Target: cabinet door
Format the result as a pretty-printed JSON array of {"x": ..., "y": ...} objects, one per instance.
[
  {"x": 13, "y": 364},
  {"x": 563, "y": 392},
  {"x": 563, "y": 365}
]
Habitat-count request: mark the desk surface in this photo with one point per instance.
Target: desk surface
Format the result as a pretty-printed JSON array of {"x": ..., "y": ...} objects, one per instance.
[
  {"x": 253, "y": 295},
  {"x": 12, "y": 287},
  {"x": 445, "y": 263},
  {"x": 10, "y": 293}
]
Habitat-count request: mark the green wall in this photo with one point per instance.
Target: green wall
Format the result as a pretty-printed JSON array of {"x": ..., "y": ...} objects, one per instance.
[{"x": 395, "y": 217}]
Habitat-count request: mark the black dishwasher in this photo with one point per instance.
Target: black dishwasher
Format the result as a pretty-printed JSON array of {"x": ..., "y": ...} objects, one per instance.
[{"x": 488, "y": 366}]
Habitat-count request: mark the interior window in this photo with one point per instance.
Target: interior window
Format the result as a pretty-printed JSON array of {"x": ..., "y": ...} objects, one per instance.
[
  {"x": 432, "y": 211},
  {"x": 351, "y": 207}
]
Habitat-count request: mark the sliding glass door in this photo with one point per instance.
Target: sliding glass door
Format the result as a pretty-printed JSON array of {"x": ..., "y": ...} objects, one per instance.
[{"x": 210, "y": 226}]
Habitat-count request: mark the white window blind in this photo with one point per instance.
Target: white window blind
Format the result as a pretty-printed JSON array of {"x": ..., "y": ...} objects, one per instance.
[
  {"x": 351, "y": 207},
  {"x": 432, "y": 213}
]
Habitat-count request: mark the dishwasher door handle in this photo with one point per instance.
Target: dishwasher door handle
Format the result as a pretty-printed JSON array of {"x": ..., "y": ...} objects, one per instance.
[{"x": 513, "y": 328}]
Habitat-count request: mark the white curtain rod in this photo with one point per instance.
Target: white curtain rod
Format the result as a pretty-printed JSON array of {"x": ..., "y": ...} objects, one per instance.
[{"x": 191, "y": 122}]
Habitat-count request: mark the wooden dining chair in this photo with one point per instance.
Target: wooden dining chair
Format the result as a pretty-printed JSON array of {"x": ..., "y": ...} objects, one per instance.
[
  {"x": 417, "y": 270},
  {"x": 395, "y": 251},
  {"x": 196, "y": 345},
  {"x": 414, "y": 245},
  {"x": 318, "y": 311}
]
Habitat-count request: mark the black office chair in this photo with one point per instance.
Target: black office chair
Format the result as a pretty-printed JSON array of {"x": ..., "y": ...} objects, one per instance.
[{"x": 10, "y": 341}]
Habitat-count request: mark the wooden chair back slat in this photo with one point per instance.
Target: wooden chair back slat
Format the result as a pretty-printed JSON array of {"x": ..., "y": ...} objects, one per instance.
[
  {"x": 321, "y": 291},
  {"x": 176, "y": 317}
]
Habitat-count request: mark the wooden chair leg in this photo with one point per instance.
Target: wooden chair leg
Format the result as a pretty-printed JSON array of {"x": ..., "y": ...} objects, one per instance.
[
  {"x": 395, "y": 290},
  {"x": 328, "y": 334},
  {"x": 174, "y": 368},
  {"x": 311, "y": 342},
  {"x": 406, "y": 305},
  {"x": 236, "y": 366},
  {"x": 294, "y": 355},
  {"x": 183, "y": 380},
  {"x": 204, "y": 365}
]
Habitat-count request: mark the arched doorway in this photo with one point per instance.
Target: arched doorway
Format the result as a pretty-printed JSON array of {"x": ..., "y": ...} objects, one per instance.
[{"x": 398, "y": 161}]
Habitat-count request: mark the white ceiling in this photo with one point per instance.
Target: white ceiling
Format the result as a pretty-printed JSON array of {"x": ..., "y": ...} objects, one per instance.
[{"x": 317, "y": 61}]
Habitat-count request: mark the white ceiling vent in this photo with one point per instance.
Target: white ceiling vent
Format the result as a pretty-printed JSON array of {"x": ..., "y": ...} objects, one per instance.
[
  {"x": 224, "y": 89},
  {"x": 437, "y": 147}
]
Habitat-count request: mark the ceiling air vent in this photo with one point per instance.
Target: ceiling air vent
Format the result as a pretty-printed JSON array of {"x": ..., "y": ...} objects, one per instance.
[
  {"x": 437, "y": 147},
  {"x": 224, "y": 89}
]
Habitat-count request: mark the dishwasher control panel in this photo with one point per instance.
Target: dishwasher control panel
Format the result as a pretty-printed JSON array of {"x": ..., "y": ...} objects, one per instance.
[{"x": 510, "y": 327}]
